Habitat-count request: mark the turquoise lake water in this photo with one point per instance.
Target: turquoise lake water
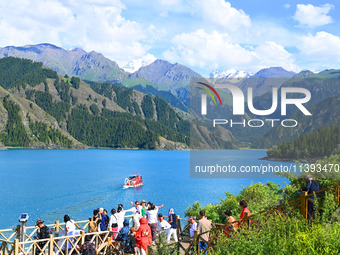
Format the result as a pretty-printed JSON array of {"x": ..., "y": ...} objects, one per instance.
[{"x": 47, "y": 184}]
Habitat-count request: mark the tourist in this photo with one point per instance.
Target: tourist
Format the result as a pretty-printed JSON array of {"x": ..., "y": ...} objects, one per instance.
[
  {"x": 162, "y": 224},
  {"x": 143, "y": 236},
  {"x": 203, "y": 226},
  {"x": 120, "y": 216},
  {"x": 173, "y": 226},
  {"x": 136, "y": 213},
  {"x": 124, "y": 232},
  {"x": 114, "y": 223},
  {"x": 244, "y": 208},
  {"x": 152, "y": 220},
  {"x": 94, "y": 224},
  {"x": 144, "y": 208},
  {"x": 131, "y": 247},
  {"x": 107, "y": 219},
  {"x": 103, "y": 218},
  {"x": 70, "y": 224},
  {"x": 193, "y": 225},
  {"x": 42, "y": 233},
  {"x": 311, "y": 187},
  {"x": 231, "y": 225}
]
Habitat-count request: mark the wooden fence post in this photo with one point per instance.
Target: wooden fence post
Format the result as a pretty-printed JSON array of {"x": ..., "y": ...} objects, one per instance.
[
  {"x": 178, "y": 222},
  {"x": 16, "y": 246},
  {"x": 57, "y": 227},
  {"x": 82, "y": 239},
  {"x": 50, "y": 246},
  {"x": 17, "y": 232},
  {"x": 304, "y": 203},
  {"x": 196, "y": 241}
]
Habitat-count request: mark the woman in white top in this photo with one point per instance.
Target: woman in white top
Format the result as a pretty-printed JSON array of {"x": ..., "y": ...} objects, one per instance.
[
  {"x": 114, "y": 223},
  {"x": 70, "y": 224},
  {"x": 136, "y": 211},
  {"x": 120, "y": 216}
]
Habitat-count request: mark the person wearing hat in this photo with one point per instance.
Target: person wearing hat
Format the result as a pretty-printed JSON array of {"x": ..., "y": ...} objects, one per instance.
[
  {"x": 311, "y": 187},
  {"x": 193, "y": 225},
  {"x": 143, "y": 205},
  {"x": 42, "y": 233},
  {"x": 163, "y": 227}
]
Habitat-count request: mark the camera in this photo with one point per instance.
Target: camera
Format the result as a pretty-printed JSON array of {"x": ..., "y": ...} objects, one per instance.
[{"x": 23, "y": 217}]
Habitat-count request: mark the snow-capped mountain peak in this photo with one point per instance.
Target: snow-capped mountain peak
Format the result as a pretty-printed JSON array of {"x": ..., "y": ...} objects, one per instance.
[
  {"x": 134, "y": 65},
  {"x": 231, "y": 73}
]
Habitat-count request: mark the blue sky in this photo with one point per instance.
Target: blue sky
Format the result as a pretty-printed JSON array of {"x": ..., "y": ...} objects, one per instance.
[{"x": 203, "y": 34}]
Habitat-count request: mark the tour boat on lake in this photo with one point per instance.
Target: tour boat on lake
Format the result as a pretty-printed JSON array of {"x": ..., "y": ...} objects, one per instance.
[{"x": 133, "y": 181}]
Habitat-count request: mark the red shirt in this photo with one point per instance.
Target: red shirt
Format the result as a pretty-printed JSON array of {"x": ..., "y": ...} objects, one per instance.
[{"x": 245, "y": 210}]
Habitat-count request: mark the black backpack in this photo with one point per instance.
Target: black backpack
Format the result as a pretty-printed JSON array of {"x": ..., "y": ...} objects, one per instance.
[
  {"x": 88, "y": 248},
  {"x": 127, "y": 245}
]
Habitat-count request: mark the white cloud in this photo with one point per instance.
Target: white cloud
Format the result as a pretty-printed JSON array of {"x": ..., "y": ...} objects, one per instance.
[
  {"x": 220, "y": 13},
  {"x": 215, "y": 50},
  {"x": 271, "y": 54},
  {"x": 313, "y": 16},
  {"x": 287, "y": 6},
  {"x": 320, "y": 51},
  {"x": 92, "y": 25},
  {"x": 170, "y": 2}
]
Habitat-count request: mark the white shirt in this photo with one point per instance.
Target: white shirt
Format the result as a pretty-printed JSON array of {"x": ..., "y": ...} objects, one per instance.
[
  {"x": 113, "y": 219},
  {"x": 163, "y": 225},
  {"x": 152, "y": 215},
  {"x": 193, "y": 228},
  {"x": 136, "y": 212},
  {"x": 120, "y": 217},
  {"x": 70, "y": 226}
]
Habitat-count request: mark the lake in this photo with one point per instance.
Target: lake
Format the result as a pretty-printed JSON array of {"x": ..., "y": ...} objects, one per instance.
[{"x": 47, "y": 184}]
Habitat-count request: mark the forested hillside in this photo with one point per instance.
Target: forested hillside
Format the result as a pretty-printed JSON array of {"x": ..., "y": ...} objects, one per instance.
[
  {"x": 105, "y": 115},
  {"x": 311, "y": 146}
]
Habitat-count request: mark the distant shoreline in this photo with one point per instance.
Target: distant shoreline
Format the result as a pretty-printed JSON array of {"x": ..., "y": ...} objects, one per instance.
[{"x": 309, "y": 160}]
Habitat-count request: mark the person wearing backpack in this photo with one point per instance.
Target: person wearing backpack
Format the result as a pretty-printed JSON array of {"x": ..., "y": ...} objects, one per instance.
[
  {"x": 131, "y": 242},
  {"x": 43, "y": 233},
  {"x": 94, "y": 222}
]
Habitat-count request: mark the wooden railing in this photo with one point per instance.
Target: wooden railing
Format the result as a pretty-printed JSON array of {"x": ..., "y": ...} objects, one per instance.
[
  {"x": 10, "y": 243},
  {"x": 252, "y": 221}
]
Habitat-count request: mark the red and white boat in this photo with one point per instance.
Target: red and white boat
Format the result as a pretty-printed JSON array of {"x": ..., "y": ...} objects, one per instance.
[{"x": 133, "y": 181}]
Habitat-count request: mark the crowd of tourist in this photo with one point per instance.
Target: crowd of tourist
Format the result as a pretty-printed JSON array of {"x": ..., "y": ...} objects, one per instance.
[{"x": 147, "y": 225}]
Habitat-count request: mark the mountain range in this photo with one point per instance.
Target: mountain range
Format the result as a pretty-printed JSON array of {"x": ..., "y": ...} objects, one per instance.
[
  {"x": 93, "y": 66},
  {"x": 124, "y": 90},
  {"x": 40, "y": 108}
]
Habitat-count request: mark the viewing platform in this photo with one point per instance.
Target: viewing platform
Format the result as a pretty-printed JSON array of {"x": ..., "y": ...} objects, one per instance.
[{"x": 21, "y": 240}]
